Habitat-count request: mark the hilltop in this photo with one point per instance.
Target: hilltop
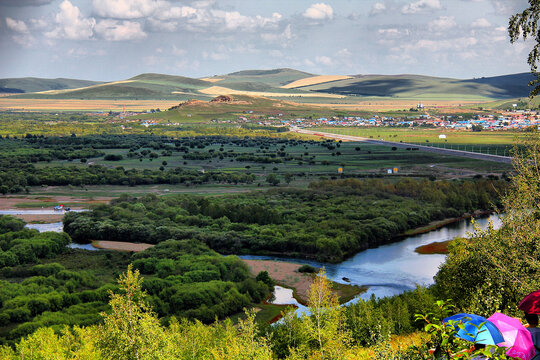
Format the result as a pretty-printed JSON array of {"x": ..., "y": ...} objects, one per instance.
[{"x": 278, "y": 84}]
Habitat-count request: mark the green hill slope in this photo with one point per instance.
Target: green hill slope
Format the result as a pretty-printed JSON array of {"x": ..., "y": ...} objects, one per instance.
[
  {"x": 274, "y": 78},
  {"x": 427, "y": 87},
  {"x": 144, "y": 86},
  {"x": 268, "y": 83},
  {"x": 31, "y": 84}
]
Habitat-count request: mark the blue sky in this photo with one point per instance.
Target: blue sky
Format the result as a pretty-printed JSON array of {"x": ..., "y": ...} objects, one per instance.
[{"x": 118, "y": 39}]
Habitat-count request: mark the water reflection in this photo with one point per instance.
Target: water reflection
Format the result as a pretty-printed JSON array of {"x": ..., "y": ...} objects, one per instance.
[
  {"x": 392, "y": 269},
  {"x": 56, "y": 227}
]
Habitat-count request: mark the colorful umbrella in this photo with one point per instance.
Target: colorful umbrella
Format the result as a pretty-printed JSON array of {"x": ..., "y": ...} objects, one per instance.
[
  {"x": 477, "y": 329},
  {"x": 531, "y": 303},
  {"x": 516, "y": 336}
]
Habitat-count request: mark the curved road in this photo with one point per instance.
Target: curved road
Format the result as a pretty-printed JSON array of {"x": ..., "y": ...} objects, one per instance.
[{"x": 467, "y": 154}]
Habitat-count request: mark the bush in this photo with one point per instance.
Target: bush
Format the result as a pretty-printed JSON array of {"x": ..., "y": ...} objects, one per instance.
[{"x": 307, "y": 269}]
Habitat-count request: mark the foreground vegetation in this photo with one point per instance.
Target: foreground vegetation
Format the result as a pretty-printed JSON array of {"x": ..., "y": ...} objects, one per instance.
[{"x": 45, "y": 283}]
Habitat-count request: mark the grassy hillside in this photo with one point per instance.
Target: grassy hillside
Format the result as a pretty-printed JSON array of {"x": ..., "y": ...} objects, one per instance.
[
  {"x": 144, "y": 86},
  {"x": 197, "y": 111},
  {"x": 279, "y": 83},
  {"x": 427, "y": 87},
  {"x": 31, "y": 84},
  {"x": 274, "y": 78}
]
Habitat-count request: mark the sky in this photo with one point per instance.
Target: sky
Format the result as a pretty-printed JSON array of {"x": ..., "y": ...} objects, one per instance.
[{"x": 117, "y": 39}]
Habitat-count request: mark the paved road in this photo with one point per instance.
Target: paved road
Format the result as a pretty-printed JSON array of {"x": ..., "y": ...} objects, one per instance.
[{"x": 467, "y": 154}]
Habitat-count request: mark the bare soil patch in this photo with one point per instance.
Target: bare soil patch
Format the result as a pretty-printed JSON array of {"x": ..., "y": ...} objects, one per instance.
[
  {"x": 284, "y": 274},
  {"x": 120, "y": 245}
]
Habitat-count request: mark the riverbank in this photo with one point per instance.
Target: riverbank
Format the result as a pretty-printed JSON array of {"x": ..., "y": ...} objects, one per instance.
[
  {"x": 286, "y": 274},
  {"x": 434, "y": 225},
  {"x": 436, "y": 247}
]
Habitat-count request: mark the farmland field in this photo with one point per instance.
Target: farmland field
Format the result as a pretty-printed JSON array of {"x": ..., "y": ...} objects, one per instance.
[{"x": 11, "y": 104}]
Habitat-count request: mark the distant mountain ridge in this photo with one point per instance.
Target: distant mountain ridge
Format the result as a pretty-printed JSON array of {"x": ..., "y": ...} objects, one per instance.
[{"x": 276, "y": 83}]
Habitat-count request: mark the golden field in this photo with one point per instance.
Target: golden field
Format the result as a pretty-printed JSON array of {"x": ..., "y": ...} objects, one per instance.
[
  {"x": 219, "y": 90},
  {"x": 314, "y": 80},
  {"x": 10, "y": 104}
]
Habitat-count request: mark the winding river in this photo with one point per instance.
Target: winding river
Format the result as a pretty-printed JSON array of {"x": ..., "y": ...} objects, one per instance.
[
  {"x": 387, "y": 270},
  {"x": 392, "y": 269}
]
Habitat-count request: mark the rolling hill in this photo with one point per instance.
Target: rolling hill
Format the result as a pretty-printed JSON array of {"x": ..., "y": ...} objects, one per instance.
[
  {"x": 427, "y": 87},
  {"x": 277, "y": 83},
  {"x": 144, "y": 86},
  {"x": 274, "y": 78},
  {"x": 32, "y": 84}
]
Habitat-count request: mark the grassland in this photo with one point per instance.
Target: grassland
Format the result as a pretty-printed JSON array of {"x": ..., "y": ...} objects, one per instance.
[
  {"x": 310, "y": 160},
  {"x": 489, "y": 142}
]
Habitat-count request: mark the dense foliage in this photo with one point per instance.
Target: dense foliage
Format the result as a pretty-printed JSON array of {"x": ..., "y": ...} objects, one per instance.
[
  {"x": 494, "y": 270},
  {"x": 329, "y": 221},
  {"x": 44, "y": 283}
]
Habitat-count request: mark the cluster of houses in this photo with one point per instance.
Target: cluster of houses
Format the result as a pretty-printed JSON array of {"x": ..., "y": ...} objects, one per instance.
[{"x": 500, "y": 121}]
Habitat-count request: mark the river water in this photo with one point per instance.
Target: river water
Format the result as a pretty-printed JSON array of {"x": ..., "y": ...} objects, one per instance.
[{"x": 392, "y": 269}]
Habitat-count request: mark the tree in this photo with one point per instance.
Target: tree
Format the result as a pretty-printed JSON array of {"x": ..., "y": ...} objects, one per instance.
[
  {"x": 272, "y": 179},
  {"x": 131, "y": 330},
  {"x": 325, "y": 326},
  {"x": 288, "y": 178},
  {"x": 525, "y": 24},
  {"x": 501, "y": 266}
]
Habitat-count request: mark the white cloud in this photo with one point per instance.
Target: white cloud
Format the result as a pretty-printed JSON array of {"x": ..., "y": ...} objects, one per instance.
[
  {"x": 435, "y": 46},
  {"x": 16, "y": 25},
  {"x": 442, "y": 23},
  {"x": 25, "y": 40},
  {"x": 114, "y": 30},
  {"x": 160, "y": 25},
  {"x": 176, "y": 13},
  {"x": 393, "y": 33},
  {"x": 421, "y": 5},
  {"x": 378, "y": 8},
  {"x": 501, "y": 28},
  {"x": 344, "y": 53},
  {"x": 70, "y": 24},
  {"x": 283, "y": 38},
  {"x": 324, "y": 60},
  {"x": 39, "y": 24},
  {"x": 127, "y": 9},
  {"x": 319, "y": 11},
  {"x": 177, "y": 51},
  {"x": 481, "y": 23}
]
